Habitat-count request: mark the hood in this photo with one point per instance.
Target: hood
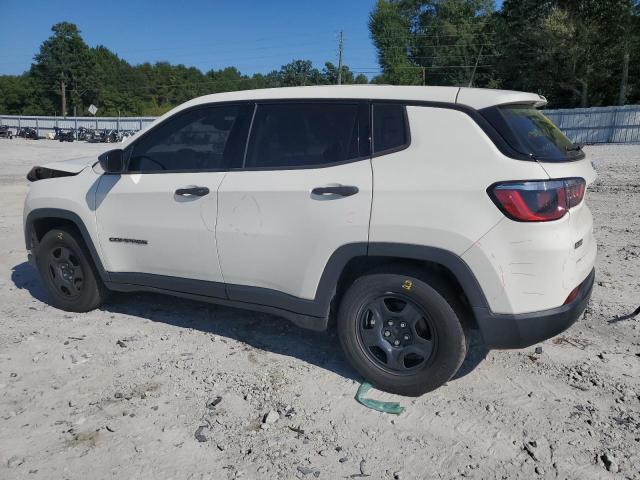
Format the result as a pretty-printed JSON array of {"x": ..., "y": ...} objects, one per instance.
[
  {"x": 75, "y": 165},
  {"x": 64, "y": 168}
]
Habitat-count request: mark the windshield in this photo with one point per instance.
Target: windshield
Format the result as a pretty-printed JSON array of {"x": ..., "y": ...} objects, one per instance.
[{"x": 528, "y": 131}]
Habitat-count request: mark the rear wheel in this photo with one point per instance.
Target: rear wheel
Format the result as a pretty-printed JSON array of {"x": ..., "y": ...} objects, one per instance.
[
  {"x": 68, "y": 273},
  {"x": 401, "y": 331}
]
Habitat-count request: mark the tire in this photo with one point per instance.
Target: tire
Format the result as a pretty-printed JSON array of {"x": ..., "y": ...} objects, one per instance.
[
  {"x": 68, "y": 273},
  {"x": 430, "y": 350}
]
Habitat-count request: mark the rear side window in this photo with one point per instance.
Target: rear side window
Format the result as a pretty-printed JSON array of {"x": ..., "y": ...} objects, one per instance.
[
  {"x": 208, "y": 138},
  {"x": 389, "y": 127},
  {"x": 299, "y": 135},
  {"x": 528, "y": 131}
]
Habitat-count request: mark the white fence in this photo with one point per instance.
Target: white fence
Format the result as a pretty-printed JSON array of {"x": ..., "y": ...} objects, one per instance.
[
  {"x": 581, "y": 125},
  {"x": 599, "y": 124},
  {"x": 47, "y": 124}
]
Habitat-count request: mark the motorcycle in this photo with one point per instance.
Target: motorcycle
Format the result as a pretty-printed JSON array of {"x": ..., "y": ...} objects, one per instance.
[
  {"x": 27, "y": 132},
  {"x": 82, "y": 133},
  {"x": 125, "y": 134},
  {"x": 5, "y": 132},
  {"x": 96, "y": 136},
  {"x": 63, "y": 136},
  {"x": 111, "y": 136}
]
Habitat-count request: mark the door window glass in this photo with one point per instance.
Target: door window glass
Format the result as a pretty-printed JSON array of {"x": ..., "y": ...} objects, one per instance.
[
  {"x": 307, "y": 134},
  {"x": 389, "y": 127},
  {"x": 208, "y": 138}
]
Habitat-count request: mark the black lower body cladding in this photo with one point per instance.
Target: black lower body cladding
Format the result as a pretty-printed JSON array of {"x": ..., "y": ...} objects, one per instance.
[
  {"x": 500, "y": 331},
  {"x": 505, "y": 331}
]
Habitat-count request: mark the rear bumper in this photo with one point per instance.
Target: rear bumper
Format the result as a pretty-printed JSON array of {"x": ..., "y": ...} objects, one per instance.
[{"x": 503, "y": 331}]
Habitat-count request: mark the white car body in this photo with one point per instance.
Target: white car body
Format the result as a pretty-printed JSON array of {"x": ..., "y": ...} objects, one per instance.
[{"x": 261, "y": 239}]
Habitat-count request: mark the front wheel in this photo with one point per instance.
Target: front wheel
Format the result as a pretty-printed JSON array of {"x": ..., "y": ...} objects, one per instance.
[
  {"x": 68, "y": 273},
  {"x": 401, "y": 331}
]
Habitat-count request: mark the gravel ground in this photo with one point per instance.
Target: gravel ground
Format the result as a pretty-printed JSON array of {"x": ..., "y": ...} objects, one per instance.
[{"x": 158, "y": 387}]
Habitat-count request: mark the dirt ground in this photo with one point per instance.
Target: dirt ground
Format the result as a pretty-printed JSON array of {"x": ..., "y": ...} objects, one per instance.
[{"x": 122, "y": 391}]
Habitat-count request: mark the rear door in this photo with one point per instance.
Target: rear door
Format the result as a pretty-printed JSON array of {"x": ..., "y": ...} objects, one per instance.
[
  {"x": 304, "y": 191},
  {"x": 159, "y": 217}
]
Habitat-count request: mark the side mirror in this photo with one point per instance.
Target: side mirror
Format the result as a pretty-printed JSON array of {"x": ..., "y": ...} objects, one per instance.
[{"x": 112, "y": 161}]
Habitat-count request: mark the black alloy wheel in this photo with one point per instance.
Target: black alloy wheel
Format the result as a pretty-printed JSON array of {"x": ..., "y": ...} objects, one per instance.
[
  {"x": 65, "y": 271},
  {"x": 396, "y": 333}
]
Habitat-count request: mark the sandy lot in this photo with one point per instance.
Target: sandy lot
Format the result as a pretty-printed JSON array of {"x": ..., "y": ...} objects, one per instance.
[{"x": 76, "y": 404}]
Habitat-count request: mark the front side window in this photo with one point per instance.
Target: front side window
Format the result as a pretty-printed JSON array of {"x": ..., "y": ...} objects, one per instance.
[
  {"x": 529, "y": 132},
  {"x": 389, "y": 127},
  {"x": 207, "y": 138},
  {"x": 298, "y": 135}
]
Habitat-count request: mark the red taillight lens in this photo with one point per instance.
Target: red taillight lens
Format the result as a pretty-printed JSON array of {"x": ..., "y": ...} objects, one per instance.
[
  {"x": 537, "y": 201},
  {"x": 572, "y": 296},
  {"x": 575, "y": 191}
]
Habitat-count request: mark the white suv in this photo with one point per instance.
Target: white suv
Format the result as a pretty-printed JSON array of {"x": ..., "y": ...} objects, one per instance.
[{"x": 413, "y": 213}]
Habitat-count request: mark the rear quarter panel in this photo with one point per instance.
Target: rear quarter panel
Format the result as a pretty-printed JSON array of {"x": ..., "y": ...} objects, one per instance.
[
  {"x": 434, "y": 192},
  {"x": 538, "y": 264}
]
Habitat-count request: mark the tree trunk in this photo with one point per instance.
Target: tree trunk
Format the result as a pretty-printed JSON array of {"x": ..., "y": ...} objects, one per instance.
[
  {"x": 584, "y": 93},
  {"x": 63, "y": 104},
  {"x": 622, "y": 98}
]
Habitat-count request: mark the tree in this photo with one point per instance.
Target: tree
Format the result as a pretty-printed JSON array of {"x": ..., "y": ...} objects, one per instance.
[
  {"x": 300, "y": 73},
  {"x": 442, "y": 42},
  {"x": 575, "y": 52},
  {"x": 64, "y": 61},
  {"x": 390, "y": 27},
  {"x": 454, "y": 41},
  {"x": 66, "y": 71},
  {"x": 330, "y": 74}
]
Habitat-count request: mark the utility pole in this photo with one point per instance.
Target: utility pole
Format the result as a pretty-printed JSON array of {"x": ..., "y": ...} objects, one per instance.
[
  {"x": 340, "y": 50},
  {"x": 424, "y": 76},
  {"x": 64, "y": 98},
  {"x": 473, "y": 74}
]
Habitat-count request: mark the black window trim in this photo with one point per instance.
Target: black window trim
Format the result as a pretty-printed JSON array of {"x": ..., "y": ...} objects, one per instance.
[
  {"x": 282, "y": 101},
  {"x": 476, "y": 115},
  {"x": 407, "y": 128}
]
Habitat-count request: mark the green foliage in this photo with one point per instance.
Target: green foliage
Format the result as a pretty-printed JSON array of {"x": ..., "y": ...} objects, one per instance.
[
  {"x": 391, "y": 30},
  {"x": 442, "y": 38},
  {"x": 575, "y": 52},
  {"x": 572, "y": 51},
  {"x": 98, "y": 76},
  {"x": 64, "y": 61}
]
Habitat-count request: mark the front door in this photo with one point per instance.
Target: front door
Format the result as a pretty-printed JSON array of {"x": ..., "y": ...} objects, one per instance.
[
  {"x": 158, "y": 219},
  {"x": 304, "y": 191}
]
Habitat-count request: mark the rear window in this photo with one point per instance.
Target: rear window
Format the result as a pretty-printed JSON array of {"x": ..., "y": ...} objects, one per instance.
[{"x": 528, "y": 131}]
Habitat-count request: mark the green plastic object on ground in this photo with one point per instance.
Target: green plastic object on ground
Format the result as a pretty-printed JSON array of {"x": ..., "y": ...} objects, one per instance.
[{"x": 386, "y": 407}]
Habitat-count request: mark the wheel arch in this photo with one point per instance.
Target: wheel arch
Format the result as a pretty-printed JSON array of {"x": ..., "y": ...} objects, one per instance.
[
  {"x": 447, "y": 265},
  {"x": 41, "y": 220}
]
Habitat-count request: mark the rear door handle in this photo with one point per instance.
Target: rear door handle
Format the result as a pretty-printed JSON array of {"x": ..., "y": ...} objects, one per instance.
[
  {"x": 340, "y": 190},
  {"x": 192, "y": 191}
]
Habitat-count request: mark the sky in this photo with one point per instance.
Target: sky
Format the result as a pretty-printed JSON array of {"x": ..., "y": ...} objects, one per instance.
[{"x": 254, "y": 36}]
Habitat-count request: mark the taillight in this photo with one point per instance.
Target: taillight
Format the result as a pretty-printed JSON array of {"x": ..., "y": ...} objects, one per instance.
[
  {"x": 538, "y": 200},
  {"x": 572, "y": 296},
  {"x": 575, "y": 191}
]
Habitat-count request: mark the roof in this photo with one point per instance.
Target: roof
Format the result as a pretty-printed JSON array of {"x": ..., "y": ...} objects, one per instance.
[{"x": 472, "y": 97}]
